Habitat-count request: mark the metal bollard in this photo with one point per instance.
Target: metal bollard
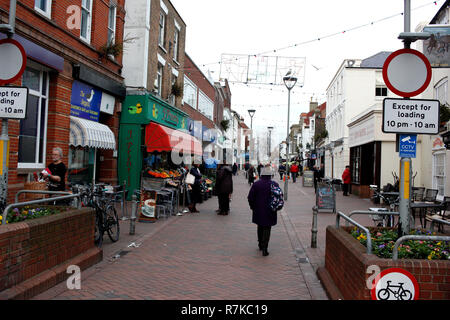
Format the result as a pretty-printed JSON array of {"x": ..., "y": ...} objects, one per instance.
[
  {"x": 133, "y": 214},
  {"x": 314, "y": 228}
]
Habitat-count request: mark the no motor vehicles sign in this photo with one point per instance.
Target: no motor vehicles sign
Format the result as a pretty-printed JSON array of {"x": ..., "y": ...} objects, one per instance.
[{"x": 410, "y": 116}]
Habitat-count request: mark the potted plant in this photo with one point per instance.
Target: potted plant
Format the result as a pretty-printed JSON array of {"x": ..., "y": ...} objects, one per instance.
[
  {"x": 225, "y": 124},
  {"x": 177, "y": 90}
]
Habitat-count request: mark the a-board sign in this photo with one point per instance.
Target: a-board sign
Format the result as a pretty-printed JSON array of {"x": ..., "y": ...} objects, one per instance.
[
  {"x": 325, "y": 197},
  {"x": 13, "y": 102},
  {"x": 308, "y": 178},
  {"x": 147, "y": 212},
  {"x": 410, "y": 116}
]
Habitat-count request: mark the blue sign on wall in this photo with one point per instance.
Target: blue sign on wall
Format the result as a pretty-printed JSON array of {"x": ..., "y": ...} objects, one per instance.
[
  {"x": 408, "y": 145},
  {"x": 85, "y": 101}
]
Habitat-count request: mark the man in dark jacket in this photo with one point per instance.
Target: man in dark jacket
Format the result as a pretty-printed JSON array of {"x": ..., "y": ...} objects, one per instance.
[
  {"x": 224, "y": 188},
  {"x": 259, "y": 199}
]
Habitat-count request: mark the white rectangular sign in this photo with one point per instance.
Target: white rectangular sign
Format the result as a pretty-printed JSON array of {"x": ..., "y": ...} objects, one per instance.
[
  {"x": 410, "y": 116},
  {"x": 13, "y": 102}
]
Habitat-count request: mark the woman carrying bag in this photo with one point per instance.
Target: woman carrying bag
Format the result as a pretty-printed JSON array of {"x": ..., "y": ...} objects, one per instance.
[{"x": 196, "y": 193}]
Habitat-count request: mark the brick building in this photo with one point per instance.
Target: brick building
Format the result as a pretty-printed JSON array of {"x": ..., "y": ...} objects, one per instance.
[{"x": 73, "y": 73}]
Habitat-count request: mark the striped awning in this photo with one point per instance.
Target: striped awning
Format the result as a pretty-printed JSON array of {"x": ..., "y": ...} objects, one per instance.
[{"x": 86, "y": 133}]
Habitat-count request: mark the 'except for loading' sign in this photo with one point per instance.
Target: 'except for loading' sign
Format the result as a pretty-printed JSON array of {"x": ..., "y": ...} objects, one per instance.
[{"x": 408, "y": 146}]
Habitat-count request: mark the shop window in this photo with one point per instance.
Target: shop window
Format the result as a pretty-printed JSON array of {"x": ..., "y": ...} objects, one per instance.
[
  {"x": 81, "y": 165},
  {"x": 112, "y": 25},
  {"x": 439, "y": 172},
  {"x": 355, "y": 164},
  {"x": 86, "y": 20},
  {"x": 33, "y": 129},
  {"x": 44, "y": 7}
]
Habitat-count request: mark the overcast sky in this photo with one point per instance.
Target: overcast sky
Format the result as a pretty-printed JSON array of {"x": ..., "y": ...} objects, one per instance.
[{"x": 261, "y": 26}]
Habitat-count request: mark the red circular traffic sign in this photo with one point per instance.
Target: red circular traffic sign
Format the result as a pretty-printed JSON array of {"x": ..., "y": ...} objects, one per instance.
[
  {"x": 14, "y": 60},
  {"x": 407, "y": 72},
  {"x": 395, "y": 284}
]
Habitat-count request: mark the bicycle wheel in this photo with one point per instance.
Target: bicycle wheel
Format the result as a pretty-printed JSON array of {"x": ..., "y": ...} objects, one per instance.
[
  {"x": 112, "y": 223},
  {"x": 98, "y": 233},
  {"x": 405, "y": 295},
  {"x": 383, "y": 294}
]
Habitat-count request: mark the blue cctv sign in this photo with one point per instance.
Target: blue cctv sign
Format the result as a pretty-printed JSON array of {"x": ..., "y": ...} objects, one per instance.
[{"x": 408, "y": 145}]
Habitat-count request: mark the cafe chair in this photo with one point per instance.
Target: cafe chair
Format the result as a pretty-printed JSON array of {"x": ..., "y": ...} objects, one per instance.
[
  {"x": 430, "y": 195},
  {"x": 418, "y": 193},
  {"x": 442, "y": 214}
]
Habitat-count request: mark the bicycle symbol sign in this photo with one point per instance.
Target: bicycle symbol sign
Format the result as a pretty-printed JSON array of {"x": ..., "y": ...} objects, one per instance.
[{"x": 395, "y": 284}]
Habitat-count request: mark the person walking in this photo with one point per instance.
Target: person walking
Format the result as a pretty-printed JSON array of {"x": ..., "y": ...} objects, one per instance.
[
  {"x": 316, "y": 177},
  {"x": 224, "y": 188},
  {"x": 196, "y": 193},
  {"x": 259, "y": 169},
  {"x": 346, "y": 179},
  {"x": 259, "y": 199},
  {"x": 294, "y": 172},
  {"x": 246, "y": 168},
  {"x": 251, "y": 175},
  {"x": 281, "y": 170}
]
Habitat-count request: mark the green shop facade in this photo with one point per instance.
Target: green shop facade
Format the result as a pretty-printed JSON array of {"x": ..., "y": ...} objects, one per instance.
[{"x": 139, "y": 112}]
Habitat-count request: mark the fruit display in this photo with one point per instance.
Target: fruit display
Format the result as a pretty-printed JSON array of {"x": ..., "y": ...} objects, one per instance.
[{"x": 163, "y": 174}]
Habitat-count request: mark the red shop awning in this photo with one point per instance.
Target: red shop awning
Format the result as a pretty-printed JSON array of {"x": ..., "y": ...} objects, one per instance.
[{"x": 160, "y": 138}]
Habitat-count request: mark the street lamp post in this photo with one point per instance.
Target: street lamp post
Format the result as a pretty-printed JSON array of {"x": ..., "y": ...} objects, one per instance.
[
  {"x": 270, "y": 141},
  {"x": 251, "y": 112},
  {"x": 289, "y": 82}
]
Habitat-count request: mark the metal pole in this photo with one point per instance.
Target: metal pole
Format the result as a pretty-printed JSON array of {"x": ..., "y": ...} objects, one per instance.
[
  {"x": 405, "y": 195},
  {"x": 133, "y": 214},
  {"x": 314, "y": 229},
  {"x": 286, "y": 177},
  {"x": 407, "y": 15},
  {"x": 4, "y": 149}
]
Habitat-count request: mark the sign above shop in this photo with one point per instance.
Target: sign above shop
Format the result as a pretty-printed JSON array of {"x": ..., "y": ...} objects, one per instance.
[
  {"x": 410, "y": 116},
  {"x": 13, "y": 102},
  {"x": 85, "y": 101}
]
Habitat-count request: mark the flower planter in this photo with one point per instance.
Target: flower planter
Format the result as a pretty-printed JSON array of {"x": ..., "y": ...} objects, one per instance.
[
  {"x": 345, "y": 273},
  {"x": 36, "y": 253}
]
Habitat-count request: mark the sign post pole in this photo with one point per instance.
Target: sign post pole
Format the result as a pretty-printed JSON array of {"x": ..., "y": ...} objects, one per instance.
[{"x": 4, "y": 154}]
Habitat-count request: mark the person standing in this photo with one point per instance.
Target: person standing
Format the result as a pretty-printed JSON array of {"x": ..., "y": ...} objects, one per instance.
[
  {"x": 346, "y": 179},
  {"x": 196, "y": 193},
  {"x": 57, "y": 175},
  {"x": 294, "y": 172},
  {"x": 259, "y": 169},
  {"x": 246, "y": 168},
  {"x": 259, "y": 199},
  {"x": 224, "y": 188},
  {"x": 316, "y": 177}
]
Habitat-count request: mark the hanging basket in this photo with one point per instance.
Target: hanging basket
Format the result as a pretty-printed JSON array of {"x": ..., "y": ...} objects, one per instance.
[{"x": 34, "y": 185}]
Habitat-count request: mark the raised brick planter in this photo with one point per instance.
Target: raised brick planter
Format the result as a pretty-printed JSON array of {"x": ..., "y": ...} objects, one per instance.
[
  {"x": 344, "y": 274},
  {"x": 35, "y": 254}
]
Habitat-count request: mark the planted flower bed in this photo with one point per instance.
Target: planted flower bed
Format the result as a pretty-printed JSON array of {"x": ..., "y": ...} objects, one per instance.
[
  {"x": 33, "y": 212},
  {"x": 383, "y": 241}
]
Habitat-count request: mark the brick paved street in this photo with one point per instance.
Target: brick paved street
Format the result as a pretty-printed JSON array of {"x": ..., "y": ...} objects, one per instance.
[{"x": 207, "y": 256}]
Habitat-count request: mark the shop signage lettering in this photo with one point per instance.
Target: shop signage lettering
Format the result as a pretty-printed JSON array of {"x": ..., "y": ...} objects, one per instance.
[
  {"x": 85, "y": 101},
  {"x": 170, "y": 117},
  {"x": 13, "y": 102}
]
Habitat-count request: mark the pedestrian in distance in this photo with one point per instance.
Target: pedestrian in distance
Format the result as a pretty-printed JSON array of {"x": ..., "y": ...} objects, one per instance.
[
  {"x": 316, "y": 177},
  {"x": 346, "y": 179},
  {"x": 235, "y": 169},
  {"x": 246, "y": 168},
  {"x": 281, "y": 170},
  {"x": 259, "y": 169},
  {"x": 259, "y": 199},
  {"x": 294, "y": 172},
  {"x": 251, "y": 175},
  {"x": 224, "y": 188}
]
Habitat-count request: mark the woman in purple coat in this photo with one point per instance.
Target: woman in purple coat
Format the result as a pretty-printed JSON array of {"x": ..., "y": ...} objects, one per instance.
[{"x": 259, "y": 201}]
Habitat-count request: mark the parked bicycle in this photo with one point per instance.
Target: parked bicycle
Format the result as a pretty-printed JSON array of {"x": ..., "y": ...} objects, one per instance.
[
  {"x": 391, "y": 202},
  {"x": 400, "y": 294},
  {"x": 106, "y": 219}
]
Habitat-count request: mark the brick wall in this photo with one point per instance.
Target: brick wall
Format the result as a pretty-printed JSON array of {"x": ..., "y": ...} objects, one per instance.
[
  {"x": 37, "y": 247},
  {"x": 55, "y": 35},
  {"x": 346, "y": 262}
]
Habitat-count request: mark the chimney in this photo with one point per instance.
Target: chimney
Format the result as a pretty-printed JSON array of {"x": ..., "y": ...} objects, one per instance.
[{"x": 313, "y": 105}]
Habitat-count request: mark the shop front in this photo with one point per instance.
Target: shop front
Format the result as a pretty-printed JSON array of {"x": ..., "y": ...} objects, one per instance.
[
  {"x": 155, "y": 139},
  {"x": 88, "y": 136}
]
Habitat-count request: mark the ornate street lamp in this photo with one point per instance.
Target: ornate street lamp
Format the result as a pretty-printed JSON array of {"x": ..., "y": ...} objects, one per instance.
[{"x": 289, "y": 82}]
